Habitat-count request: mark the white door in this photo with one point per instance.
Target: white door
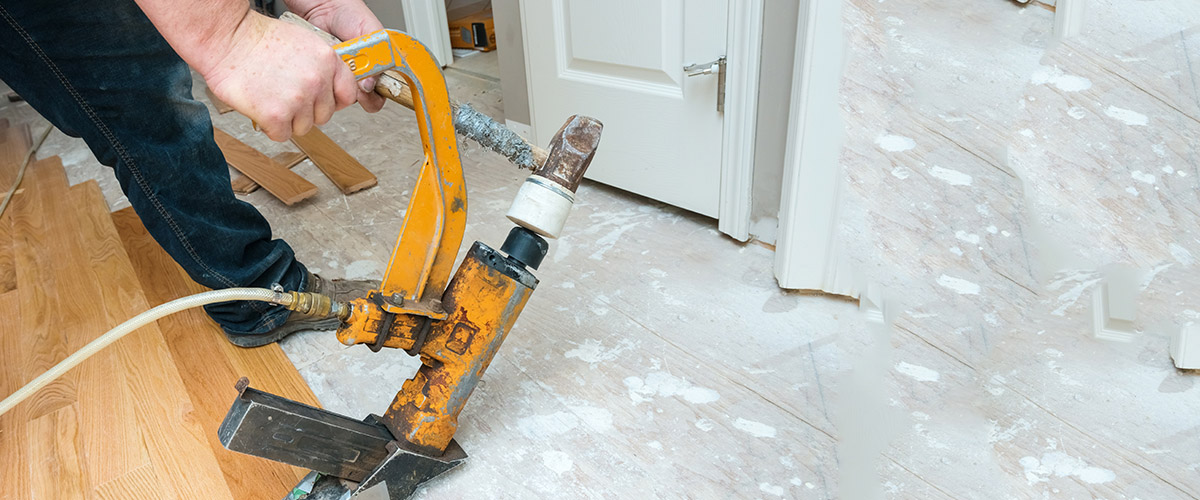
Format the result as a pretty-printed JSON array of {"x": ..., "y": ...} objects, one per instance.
[{"x": 621, "y": 61}]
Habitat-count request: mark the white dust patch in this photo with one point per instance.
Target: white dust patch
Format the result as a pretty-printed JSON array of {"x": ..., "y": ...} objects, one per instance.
[
  {"x": 971, "y": 238},
  {"x": 1182, "y": 255},
  {"x": 1055, "y": 76},
  {"x": 561, "y": 422},
  {"x": 557, "y": 461},
  {"x": 363, "y": 269},
  {"x": 996, "y": 434},
  {"x": 1129, "y": 117},
  {"x": 771, "y": 489},
  {"x": 547, "y": 426},
  {"x": 592, "y": 352},
  {"x": 895, "y": 143},
  {"x": 756, "y": 429},
  {"x": 918, "y": 372},
  {"x": 666, "y": 385},
  {"x": 951, "y": 177},
  {"x": 959, "y": 285},
  {"x": 1059, "y": 464},
  {"x": 1084, "y": 280},
  {"x": 1140, "y": 176}
]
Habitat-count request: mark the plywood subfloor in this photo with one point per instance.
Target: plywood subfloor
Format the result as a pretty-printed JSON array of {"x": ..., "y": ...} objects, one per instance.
[{"x": 658, "y": 358}]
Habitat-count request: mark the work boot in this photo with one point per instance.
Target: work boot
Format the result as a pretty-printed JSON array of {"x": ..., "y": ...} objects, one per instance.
[{"x": 339, "y": 290}]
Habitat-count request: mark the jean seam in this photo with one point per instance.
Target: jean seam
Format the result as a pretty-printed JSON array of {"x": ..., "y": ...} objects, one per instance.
[{"x": 120, "y": 149}]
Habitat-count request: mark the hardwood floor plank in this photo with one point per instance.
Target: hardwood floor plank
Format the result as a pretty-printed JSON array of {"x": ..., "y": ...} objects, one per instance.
[
  {"x": 284, "y": 184},
  {"x": 211, "y": 365},
  {"x": 14, "y": 452},
  {"x": 244, "y": 185},
  {"x": 13, "y": 147},
  {"x": 57, "y": 471},
  {"x": 142, "y": 482},
  {"x": 42, "y": 340},
  {"x": 107, "y": 408},
  {"x": 346, "y": 172}
]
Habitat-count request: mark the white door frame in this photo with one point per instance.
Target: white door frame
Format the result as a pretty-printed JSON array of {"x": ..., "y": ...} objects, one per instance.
[
  {"x": 426, "y": 21},
  {"x": 743, "y": 49},
  {"x": 1068, "y": 18},
  {"x": 807, "y": 255}
]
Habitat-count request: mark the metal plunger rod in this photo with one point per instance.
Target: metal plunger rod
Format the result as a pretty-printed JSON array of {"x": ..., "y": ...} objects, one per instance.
[{"x": 467, "y": 121}]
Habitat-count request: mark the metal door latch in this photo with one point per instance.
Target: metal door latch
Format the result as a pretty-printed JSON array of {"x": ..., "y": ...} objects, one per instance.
[{"x": 709, "y": 68}]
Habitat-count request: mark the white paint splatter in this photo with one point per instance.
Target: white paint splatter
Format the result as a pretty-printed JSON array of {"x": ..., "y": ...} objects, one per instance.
[
  {"x": 901, "y": 172},
  {"x": 918, "y": 372},
  {"x": 557, "y": 461},
  {"x": 956, "y": 251},
  {"x": 1068, "y": 298},
  {"x": 959, "y": 285},
  {"x": 895, "y": 143},
  {"x": 1182, "y": 255},
  {"x": 1055, "y": 76},
  {"x": 971, "y": 238},
  {"x": 1059, "y": 464},
  {"x": 592, "y": 352},
  {"x": 655, "y": 444},
  {"x": 1168, "y": 170},
  {"x": 756, "y": 429},
  {"x": 1076, "y": 112},
  {"x": 547, "y": 426},
  {"x": 771, "y": 489},
  {"x": 656, "y": 272},
  {"x": 1131, "y": 190},
  {"x": 1129, "y": 117},
  {"x": 705, "y": 424},
  {"x": 992, "y": 229},
  {"x": 567, "y": 284},
  {"x": 666, "y": 385},
  {"x": 363, "y": 269},
  {"x": 1140, "y": 176},
  {"x": 1027, "y": 133},
  {"x": 951, "y": 177},
  {"x": 996, "y": 434}
]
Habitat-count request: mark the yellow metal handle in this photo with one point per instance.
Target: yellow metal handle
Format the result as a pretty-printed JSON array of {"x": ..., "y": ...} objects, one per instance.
[{"x": 368, "y": 55}]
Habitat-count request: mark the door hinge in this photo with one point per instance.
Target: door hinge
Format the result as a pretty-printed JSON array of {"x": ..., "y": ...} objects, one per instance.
[{"x": 709, "y": 68}]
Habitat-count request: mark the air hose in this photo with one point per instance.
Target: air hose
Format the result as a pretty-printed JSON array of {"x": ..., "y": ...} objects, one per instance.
[{"x": 305, "y": 303}]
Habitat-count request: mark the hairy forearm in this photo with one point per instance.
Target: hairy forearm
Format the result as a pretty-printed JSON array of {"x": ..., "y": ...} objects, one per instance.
[{"x": 203, "y": 32}]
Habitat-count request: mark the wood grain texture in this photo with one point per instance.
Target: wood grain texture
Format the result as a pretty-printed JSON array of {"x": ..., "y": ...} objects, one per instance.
[
  {"x": 244, "y": 185},
  {"x": 177, "y": 444},
  {"x": 14, "y": 450},
  {"x": 284, "y": 184},
  {"x": 211, "y": 365},
  {"x": 346, "y": 172},
  {"x": 36, "y": 254},
  {"x": 14, "y": 144},
  {"x": 56, "y": 450},
  {"x": 221, "y": 106}
]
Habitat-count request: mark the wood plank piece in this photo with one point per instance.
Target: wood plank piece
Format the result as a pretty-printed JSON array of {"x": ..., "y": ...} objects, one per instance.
[
  {"x": 346, "y": 173},
  {"x": 244, "y": 185},
  {"x": 211, "y": 365},
  {"x": 177, "y": 444},
  {"x": 14, "y": 452},
  {"x": 284, "y": 184},
  {"x": 14, "y": 145}
]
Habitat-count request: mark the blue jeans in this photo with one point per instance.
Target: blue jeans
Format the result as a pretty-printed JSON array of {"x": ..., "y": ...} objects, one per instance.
[{"x": 99, "y": 70}]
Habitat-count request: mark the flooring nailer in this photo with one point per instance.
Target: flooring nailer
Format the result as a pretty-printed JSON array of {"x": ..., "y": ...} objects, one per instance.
[{"x": 454, "y": 324}]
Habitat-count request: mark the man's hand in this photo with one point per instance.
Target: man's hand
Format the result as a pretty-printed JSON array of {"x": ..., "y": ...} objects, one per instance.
[{"x": 281, "y": 76}]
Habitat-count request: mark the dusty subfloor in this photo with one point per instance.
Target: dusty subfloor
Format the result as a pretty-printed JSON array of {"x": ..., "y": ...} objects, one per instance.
[{"x": 992, "y": 175}]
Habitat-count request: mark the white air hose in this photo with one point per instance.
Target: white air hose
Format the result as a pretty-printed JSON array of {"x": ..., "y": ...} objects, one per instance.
[{"x": 174, "y": 306}]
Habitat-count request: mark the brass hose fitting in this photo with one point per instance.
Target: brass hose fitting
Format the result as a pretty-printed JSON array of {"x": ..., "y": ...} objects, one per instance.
[{"x": 316, "y": 304}]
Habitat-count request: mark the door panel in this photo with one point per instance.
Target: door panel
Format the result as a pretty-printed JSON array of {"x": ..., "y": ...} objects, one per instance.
[{"x": 621, "y": 61}]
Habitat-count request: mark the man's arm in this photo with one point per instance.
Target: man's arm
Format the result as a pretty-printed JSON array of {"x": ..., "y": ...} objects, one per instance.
[{"x": 280, "y": 75}]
